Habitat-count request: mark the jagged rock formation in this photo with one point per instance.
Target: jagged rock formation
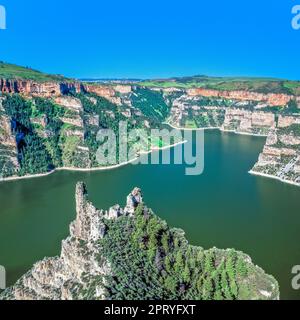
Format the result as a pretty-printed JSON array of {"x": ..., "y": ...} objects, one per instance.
[
  {"x": 66, "y": 276},
  {"x": 91, "y": 257}
]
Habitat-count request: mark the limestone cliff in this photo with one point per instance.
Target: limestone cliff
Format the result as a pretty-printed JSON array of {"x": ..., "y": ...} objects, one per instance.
[
  {"x": 271, "y": 99},
  {"x": 100, "y": 256},
  {"x": 232, "y": 111},
  {"x": 246, "y": 121},
  {"x": 280, "y": 158},
  {"x": 8, "y": 147},
  {"x": 56, "y": 89},
  {"x": 28, "y": 87}
]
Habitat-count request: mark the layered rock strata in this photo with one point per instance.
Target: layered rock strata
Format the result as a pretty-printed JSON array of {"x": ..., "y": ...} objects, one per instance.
[
  {"x": 272, "y": 99},
  {"x": 280, "y": 158}
]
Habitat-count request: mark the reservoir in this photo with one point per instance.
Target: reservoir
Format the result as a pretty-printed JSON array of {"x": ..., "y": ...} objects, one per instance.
[{"x": 224, "y": 207}]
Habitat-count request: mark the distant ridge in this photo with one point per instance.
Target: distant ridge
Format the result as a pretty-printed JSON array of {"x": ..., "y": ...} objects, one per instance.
[
  {"x": 253, "y": 84},
  {"x": 12, "y": 71}
]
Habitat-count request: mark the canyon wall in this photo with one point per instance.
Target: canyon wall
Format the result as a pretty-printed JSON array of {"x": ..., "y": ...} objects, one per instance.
[
  {"x": 280, "y": 158},
  {"x": 271, "y": 99},
  {"x": 49, "y": 89},
  {"x": 236, "y": 111},
  {"x": 246, "y": 121},
  {"x": 55, "y": 89},
  {"x": 8, "y": 147}
]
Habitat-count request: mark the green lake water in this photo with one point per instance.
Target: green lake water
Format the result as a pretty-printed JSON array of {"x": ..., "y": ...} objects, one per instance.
[{"x": 224, "y": 207}]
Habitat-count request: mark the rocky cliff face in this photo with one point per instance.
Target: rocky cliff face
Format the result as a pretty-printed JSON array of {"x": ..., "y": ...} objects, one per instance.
[
  {"x": 236, "y": 116},
  {"x": 233, "y": 111},
  {"x": 56, "y": 89},
  {"x": 111, "y": 93},
  {"x": 280, "y": 158},
  {"x": 87, "y": 267},
  {"x": 25, "y": 87},
  {"x": 271, "y": 99},
  {"x": 68, "y": 276},
  {"x": 251, "y": 122},
  {"x": 8, "y": 147}
]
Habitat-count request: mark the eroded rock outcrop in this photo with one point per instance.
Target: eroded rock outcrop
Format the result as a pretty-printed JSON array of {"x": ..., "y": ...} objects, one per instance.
[
  {"x": 280, "y": 158},
  {"x": 40, "y": 89},
  {"x": 28, "y": 87},
  {"x": 246, "y": 121},
  {"x": 68, "y": 276},
  {"x": 58, "y": 89},
  {"x": 112, "y": 93}
]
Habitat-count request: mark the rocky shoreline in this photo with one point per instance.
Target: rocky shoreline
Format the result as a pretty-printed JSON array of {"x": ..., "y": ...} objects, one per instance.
[
  {"x": 256, "y": 173},
  {"x": 280, "y": 156}
]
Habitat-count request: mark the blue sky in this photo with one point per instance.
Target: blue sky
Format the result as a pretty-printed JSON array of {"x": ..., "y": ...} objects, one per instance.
[{"x": 149, "y": 39}]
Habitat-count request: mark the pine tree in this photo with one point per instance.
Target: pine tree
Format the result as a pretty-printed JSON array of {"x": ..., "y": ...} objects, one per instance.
[
  {"x": 207, "y": 290},
  {"x": 186, "y": 274}
]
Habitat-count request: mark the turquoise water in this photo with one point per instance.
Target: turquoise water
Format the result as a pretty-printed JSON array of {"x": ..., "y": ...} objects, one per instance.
[{"x": 223, "y": 207}]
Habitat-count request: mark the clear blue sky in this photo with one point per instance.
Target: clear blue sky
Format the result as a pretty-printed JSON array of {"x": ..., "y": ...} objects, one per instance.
[{"x": 95, "y": 38}]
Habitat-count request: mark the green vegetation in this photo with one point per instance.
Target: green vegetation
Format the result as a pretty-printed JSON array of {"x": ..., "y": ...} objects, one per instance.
[
  {"x": 38, "y": 144},
  {"x": 190, "y": 124},
  {"x": 104, "y": 115},
  {"x": 60, "y": 139},
  {"x": 33, "y": 156},
  {"x": 293, "y": 129},
  {"x": 11, "y": 71},
  {"x": 152, "y": 105},
  {"x": 50, "y": 136},
  {"x": 263, "y": 85},
  {"x": 99, "y": 113},
  {"x": 151, "y": 261}
]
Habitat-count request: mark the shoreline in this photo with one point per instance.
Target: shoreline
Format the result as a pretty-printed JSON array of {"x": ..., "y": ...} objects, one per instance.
[
  {"x": 218, "y": 128},
  {"x": 255, "y": 173},
  {"x": 111, "y": 167},
  {"x": 270, "y": 176},
  {"x": 191, "y": 129},
  {"x": 119, "y": 165},
  {"x": 245, "y": 133}
]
